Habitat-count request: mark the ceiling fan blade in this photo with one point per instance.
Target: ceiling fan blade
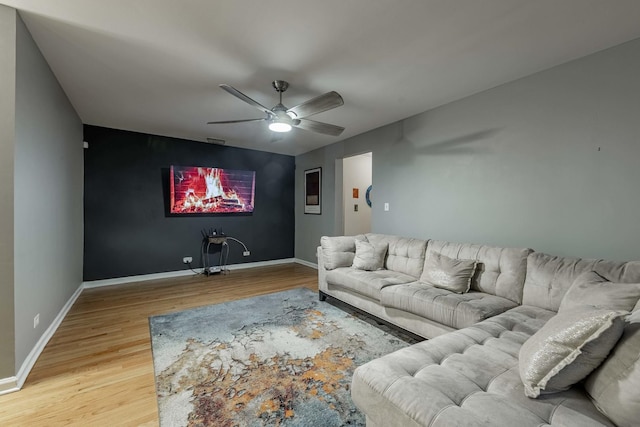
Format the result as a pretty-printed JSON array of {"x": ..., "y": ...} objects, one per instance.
[
  {"x": 319, "y": 127},
  {"x": 316, "y": 105},
  {"x": 236, "y": 121},
  {"x": 235, "y": 92}
]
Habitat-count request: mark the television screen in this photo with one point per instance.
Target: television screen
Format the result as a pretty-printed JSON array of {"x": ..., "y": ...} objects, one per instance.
[{"x": 204, "y": 190}]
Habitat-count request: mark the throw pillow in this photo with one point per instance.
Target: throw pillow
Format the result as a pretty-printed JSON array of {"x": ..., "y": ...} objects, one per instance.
[
  {"x": 338, "y": 251},
  {"x": 369, "y": 257},
  {"x": 567, "y": 348},
  {"x": 615, "y": 386},
  {"x": 448, "y": 273},
  {"x": 591, "y": 289}
]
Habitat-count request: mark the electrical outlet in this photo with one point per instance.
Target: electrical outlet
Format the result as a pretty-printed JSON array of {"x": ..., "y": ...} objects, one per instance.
[
  {"x": 246, "y": 253},
  {"x": 187, "y": 260},
  {"x": 36, "y": 321}
]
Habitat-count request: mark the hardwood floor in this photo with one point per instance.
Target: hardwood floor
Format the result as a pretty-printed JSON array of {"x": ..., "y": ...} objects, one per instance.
[{"x": 97, "y": 370}]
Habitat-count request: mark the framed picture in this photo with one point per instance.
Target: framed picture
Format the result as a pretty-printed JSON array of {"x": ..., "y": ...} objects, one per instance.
[{"x": 312, "y": 191}]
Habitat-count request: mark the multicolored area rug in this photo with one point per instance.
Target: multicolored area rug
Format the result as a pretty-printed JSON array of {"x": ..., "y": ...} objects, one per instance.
[{"x": 283, "y": 359}]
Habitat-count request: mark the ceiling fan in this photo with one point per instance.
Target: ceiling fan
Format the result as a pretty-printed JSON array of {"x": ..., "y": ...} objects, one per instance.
[{"x": 282, "y": 119}]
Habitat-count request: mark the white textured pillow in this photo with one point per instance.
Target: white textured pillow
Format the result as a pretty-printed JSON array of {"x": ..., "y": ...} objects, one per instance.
[
  {"x": 338, "y": 251},
  {"x": 615, "y": 386},
  {"x": 369, "y": 257},
  {"x": 448, "y": 273},
  {"x": 567, "y": 348},
  {"x": 591, "y": 289}
]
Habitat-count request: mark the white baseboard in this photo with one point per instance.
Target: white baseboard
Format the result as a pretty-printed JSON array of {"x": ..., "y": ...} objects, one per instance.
[
  {"x": 11, "y": 384},
  {"x": 131, "y": 279},
  {"x": 261, "y": 264},
  {"x": 180, "y": 273},
  {"x": 307, "y": 263},
  {"x": 8, "y": 385}
]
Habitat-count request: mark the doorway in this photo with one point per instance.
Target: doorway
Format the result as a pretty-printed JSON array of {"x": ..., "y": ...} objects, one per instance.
[{"x": 357, "y": 174}]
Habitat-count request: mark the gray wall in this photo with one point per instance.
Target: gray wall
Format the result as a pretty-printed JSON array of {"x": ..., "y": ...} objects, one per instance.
[
  {"x": 357, "y": 174},
  {"x": 309, "y": 228},
  {"x": 48, "y": 194},
  {"x": 549, "y": 161},
  {"x": 7, "y": 136}
]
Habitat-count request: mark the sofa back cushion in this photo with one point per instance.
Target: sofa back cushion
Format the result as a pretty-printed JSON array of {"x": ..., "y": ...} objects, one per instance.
[
  {"x": 338, "y": 251},
  {"x": 499, "y": 271},
  {"x": 592, "y": 290},
  {"x": 405, "y": 255},
  {"x": 550, "y": 277},
  {"x": 615, "y": 386}
]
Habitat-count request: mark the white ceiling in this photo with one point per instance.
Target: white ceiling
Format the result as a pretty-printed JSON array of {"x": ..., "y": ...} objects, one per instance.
[{"x": 154, "y": 66}]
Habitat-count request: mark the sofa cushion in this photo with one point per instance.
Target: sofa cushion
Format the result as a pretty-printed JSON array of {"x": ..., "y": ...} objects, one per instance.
[
  {"x": 593, "y": 290},
  {"x": 567, "y": 348},
  {"x": 443, "y": 306},
  {"x": 549, "y": 277},
  {"x": 467, "y": 377},
  {"x": 615, "y": 386},
  {"x": 368, "y": 256},
  {"x": 500, "y": 271},
  {"x": 405, "y": 255},
  {"x": 338, "y": 251},
  {"x": 367, "y": 283}
]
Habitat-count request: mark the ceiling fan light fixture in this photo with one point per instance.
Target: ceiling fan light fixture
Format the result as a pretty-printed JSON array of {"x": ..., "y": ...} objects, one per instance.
[
  {"x": 280, "y": 122},
  {"x": 282, "y": 119},
  {"x": 278, "y": 126}
]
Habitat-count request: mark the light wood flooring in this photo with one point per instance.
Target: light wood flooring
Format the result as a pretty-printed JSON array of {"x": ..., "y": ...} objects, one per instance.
[{"x": 97, "y": 370}]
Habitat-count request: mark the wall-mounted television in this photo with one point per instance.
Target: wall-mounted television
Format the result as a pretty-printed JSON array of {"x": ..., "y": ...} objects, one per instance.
[{"x": 207, "y": 190}]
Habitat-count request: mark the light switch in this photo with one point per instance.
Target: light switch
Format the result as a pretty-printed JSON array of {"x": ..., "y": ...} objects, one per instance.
[{"x": 386, "y": 207}]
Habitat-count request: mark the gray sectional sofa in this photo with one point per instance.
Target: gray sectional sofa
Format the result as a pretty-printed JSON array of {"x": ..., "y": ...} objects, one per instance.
[{"x": 469, "y": 372}]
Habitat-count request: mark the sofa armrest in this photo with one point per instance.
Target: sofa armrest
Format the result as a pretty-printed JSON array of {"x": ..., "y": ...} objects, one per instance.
[{"x": 323, "y": 286}]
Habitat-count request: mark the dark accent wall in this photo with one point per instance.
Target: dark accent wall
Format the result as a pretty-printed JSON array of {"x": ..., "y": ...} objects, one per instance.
[{"x": 127, "y": 229}]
